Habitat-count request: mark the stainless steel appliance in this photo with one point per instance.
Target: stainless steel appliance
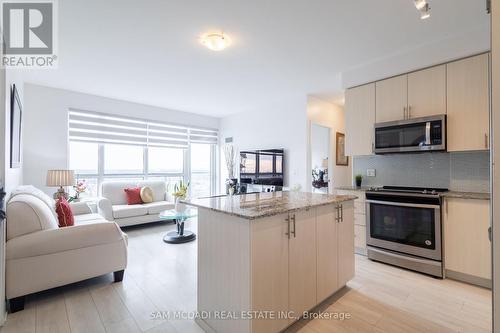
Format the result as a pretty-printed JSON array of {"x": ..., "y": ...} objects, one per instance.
[
  {"x": 411, "y": 135},
  {"x": 403, "y": 227}
]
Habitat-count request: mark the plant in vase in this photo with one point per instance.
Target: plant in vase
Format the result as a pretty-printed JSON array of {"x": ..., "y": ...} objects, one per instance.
[
  {"x": 80, "y": 187},
  {"x": 359, "y": 179},
  {"x": 231, "y": 186},
  {"x": 180, "y": 193}
]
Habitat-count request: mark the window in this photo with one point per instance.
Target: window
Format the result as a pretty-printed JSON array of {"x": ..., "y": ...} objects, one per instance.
[
  {"x": 165, "y": 160},
  {"x": 201, "y": 167},
  {"x": 108, "y": 147},
  {"x": 123, "y": 159}
]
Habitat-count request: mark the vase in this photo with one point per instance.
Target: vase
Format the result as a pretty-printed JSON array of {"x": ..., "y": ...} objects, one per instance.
[
  {"x": 179, "y": 206},
  {"x": 358, "y": 182}
]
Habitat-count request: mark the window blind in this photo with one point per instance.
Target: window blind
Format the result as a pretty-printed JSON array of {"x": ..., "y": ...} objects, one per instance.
[{"x": 89, "y": 126}]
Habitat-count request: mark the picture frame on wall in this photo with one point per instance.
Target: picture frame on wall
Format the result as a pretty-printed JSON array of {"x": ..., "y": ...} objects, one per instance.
[
  {"x": 340, "y": 158},
  {"x": 15, "y": 128}
]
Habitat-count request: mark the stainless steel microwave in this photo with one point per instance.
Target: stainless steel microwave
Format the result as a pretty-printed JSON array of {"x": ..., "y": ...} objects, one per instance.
[{"x": 411, "y": 135}]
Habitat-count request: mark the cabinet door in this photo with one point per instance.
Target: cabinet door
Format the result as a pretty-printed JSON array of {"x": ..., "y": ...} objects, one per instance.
[
  {"x": 467, "y": 248},
  {"x": 360, "y": 118},
  {"x": 391, "y": 99},
  {"x": 270, "y": 271},
  {"x": 327, "y": 252},
  {"x": 346, "y": 244},
  {"x": 302, "y": 262},
  {"x": 468, "y": 104},
  {"x": 427, "y": 92}
]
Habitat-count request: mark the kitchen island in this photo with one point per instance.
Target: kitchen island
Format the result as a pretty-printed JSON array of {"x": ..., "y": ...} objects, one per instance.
[{"x": 265, "y": 259}]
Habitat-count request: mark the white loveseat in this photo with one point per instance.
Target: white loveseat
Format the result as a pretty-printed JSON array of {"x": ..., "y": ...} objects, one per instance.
[
  {"x": 113, "y": 204},
  {"x": 40, "y": 255}
]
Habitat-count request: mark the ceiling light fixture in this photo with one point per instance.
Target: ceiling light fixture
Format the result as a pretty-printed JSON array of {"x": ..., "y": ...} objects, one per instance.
[
  {"x": 424, "y": 8},
  {"x": 215, "y": 41}
]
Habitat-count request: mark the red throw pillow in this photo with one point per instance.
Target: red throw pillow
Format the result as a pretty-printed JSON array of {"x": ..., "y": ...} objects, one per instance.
[
  {"x": 133, "y": 196},
  {"x": 64, "y": 213}
]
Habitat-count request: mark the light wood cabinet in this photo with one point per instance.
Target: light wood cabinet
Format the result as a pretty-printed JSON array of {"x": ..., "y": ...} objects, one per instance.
[
  {"x": 270, "y": 255},
  {"x": 302, "y": 261},
  {"x": 345, "y": 242},
  {"x": 391, "y": 99},
  {"x": 359, "y": 220},
  {"x": 327, "y": 252},
  {"x": 467, "y": 249},
  {"x": 360, "y": 119},
  {"x": 427, "y": 92},
  {"x": 468, "y": 104}
]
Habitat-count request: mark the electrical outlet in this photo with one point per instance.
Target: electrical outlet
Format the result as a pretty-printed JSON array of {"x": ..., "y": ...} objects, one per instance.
[{"x": 370, "y": 172}]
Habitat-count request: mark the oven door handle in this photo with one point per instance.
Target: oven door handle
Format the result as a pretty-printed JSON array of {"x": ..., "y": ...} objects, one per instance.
[{"x": 403, "y": 204}]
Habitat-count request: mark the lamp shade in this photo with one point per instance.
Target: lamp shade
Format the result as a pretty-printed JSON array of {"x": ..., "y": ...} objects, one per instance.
[{"x": 60, "y": 178}]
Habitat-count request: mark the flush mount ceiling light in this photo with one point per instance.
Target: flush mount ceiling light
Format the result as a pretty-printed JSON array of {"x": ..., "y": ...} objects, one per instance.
[
  {"x": 424, "y": 8},
  {"x": 215, "y": 41}
]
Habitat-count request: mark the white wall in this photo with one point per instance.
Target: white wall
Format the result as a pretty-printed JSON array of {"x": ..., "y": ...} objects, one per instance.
[
  {"x": 46, "y": 125},
  {"x": 283, "y": 125},
  {"x": 332, "y": 116},
  {"x": 320, "y": 145}
]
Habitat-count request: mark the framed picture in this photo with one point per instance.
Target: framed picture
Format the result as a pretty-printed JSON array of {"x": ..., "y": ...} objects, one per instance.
[
  {"x": 340, "y": 159},
  {"x": 15, "y": 128}
]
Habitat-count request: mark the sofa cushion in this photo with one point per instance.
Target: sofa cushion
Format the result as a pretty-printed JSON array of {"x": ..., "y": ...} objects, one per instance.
[
  {"x": 133, "y": 196},
  {"x": 159, "y": 188},
  {"x": 157, "y": 207},
  {"x": 113, "y": 191},
  {"x": 89, "y": 218},
  {"x": 64, "y": 213},
  {"x": 121, "y": 211},
  {"x": 26, "y": 214}
]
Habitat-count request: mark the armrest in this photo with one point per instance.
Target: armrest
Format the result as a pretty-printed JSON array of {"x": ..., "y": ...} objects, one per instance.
[
  {"x": 105, "y": 208},
  {"x": 80, "y": 208},
  {"x": 63, "y": 239}
]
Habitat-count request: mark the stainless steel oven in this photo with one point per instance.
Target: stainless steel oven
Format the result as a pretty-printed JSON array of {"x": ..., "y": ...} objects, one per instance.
[
  {"x": 404, "y": 228},
  {"x": 411, "y": 135}
]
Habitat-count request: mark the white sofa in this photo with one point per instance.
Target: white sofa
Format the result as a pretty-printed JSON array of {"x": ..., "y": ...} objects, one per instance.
[
  {"x": 113, "y": 204},
  {"x": 40, "y": 255}
]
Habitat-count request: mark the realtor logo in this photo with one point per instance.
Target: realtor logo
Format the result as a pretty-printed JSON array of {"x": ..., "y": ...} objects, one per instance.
[{"x": 29, "y": 34}]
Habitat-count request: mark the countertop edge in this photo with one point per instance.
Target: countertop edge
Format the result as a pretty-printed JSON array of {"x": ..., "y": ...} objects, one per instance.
[
  {"x": 274, "y": 213},
  {"x": 466, "y": 195}
]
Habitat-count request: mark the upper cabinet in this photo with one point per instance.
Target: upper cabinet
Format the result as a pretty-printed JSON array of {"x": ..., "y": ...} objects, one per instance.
[
  {"x": 391, "y": 99},
  {"x": 468, "y": 106},
  {"x": 427, "y": 92},
  {"x": 360, "y": 118}
]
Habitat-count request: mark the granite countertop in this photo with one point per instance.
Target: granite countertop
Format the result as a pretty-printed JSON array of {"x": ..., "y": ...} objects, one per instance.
[
  {"x": 257, "y": 205},
  {"x": 466, "y": 195},
  {"x": 352, "y": 188}
]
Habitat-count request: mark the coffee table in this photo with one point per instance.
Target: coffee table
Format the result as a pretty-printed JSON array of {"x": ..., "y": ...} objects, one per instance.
[{"x": 180, "y": 235}]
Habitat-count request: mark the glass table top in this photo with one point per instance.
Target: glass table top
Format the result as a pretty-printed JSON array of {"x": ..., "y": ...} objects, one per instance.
[{"x": 172, "y": 214}]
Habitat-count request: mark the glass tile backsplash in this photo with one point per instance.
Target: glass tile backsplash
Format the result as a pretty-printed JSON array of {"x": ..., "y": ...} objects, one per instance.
[{"x": 467, "y": 171}]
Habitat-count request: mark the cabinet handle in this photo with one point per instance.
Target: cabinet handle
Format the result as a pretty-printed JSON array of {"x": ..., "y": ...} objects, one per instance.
[
  {"x": 293, "y": 232},
  {"x": 337, "y": 217},
  {"x": 341, "y": 213},
  {"x": 409, "y": 111},
  {"x": 373, "y": 147},
  {"x": 288, "y": 226},
  {"x": 404, "y": 112},
  {"x": 485, "y": 140}
]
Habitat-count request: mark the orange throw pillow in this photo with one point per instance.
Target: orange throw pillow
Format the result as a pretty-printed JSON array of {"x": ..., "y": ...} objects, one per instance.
[
  {"x": 64, "y": 213},
  {"x": 133, "y": 196}
]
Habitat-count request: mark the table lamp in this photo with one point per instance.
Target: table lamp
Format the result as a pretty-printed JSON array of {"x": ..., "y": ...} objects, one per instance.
[{"x": 60, "y": 178}]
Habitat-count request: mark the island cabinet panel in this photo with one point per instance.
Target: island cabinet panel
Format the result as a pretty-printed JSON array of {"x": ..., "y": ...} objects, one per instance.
[
  {"x": 302, "y": 261},
  {"x": 327, "y": 252},
  {"x": 427, "y": 92},
  {"x": 468, "y": 104},
  {"x": 270, "y": 259},
  {"x": 345, "y": 243}
]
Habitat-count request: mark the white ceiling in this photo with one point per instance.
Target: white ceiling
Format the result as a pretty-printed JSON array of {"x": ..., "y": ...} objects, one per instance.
[{"x": 148, "y": 51}]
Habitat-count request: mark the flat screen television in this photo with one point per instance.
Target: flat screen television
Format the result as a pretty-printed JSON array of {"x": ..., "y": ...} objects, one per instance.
[{"x": 262, "y": 167}]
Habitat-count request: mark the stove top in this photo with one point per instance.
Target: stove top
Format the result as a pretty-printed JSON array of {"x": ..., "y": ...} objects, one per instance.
[{"x": 409, "y": 190}]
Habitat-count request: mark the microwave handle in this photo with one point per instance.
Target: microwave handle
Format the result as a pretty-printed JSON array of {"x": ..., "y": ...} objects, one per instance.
[{"x": 428, "y": 133}]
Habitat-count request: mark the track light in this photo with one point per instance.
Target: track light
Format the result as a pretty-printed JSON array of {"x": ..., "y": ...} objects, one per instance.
[{"x": 424, "y": 8}]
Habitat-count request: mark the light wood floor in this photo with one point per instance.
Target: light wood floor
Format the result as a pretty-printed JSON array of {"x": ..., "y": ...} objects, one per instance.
[{"x": 162, "y": 277}]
